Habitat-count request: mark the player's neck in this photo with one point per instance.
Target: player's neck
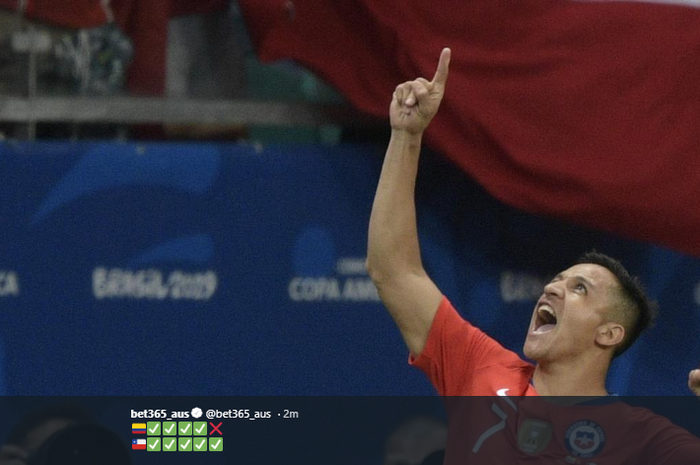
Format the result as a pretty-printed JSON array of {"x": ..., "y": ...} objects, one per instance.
[{"x": 570, "y": 379}]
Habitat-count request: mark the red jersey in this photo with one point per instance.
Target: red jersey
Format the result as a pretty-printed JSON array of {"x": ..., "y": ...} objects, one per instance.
[
  {"x": 533, "y": 430},
  {"x": 460, "y": 360},
  {"x": 504, "y": 427}
]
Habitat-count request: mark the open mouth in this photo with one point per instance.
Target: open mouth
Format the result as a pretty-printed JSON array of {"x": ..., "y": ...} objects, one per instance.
[{"x": 546, "y": 319}]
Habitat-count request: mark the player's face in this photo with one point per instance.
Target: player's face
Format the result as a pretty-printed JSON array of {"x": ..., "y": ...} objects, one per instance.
[{"x": 574, "y": 304}]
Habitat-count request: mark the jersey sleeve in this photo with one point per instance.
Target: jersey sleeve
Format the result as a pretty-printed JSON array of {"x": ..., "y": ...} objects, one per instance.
[
  {"x": 459, "y": 359},
  {"x": 669, "y": 444}
]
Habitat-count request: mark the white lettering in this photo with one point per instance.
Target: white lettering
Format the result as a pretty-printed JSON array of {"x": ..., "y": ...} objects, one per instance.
[
  {"x": 9, "y": 283},
  {"x": 332, "y": 290},
  {"x": 521, "y": 287},
  {"x": 192, "y": 286},
  {"x": 360, "y": 290},
  {"x": 314, "y": 289},
  {"x": 697, "y": 294},
  {"x": 351, "y": 266},
  {"x": 150, "y": 284}
]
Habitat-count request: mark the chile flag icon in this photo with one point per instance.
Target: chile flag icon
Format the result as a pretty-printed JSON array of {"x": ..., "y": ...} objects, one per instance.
[{"x": 138, "y": 444}]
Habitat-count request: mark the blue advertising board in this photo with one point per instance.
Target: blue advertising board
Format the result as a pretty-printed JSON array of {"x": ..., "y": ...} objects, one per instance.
[{"x": 208, "y": 269}]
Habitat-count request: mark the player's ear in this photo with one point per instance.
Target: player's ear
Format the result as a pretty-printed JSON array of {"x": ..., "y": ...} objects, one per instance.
[{"x": 610, "y": 334}]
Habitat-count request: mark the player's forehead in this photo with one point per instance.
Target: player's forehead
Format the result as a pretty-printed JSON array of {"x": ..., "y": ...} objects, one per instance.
[{"x": 597, "y": 275}]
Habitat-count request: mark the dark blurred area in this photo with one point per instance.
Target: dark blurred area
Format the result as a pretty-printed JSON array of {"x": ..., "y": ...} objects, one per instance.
[
  {"x": 62, "y": 434},
  {"x": 181, "y": 50}
]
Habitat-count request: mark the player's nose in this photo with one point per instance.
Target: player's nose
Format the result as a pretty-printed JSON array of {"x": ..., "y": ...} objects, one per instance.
[{"x": 554, "y": 289}]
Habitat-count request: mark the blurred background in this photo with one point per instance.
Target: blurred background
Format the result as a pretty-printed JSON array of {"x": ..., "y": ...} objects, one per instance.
[{"x": 185, "y": 187}]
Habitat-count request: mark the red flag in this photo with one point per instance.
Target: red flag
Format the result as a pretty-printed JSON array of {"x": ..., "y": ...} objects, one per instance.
[
  {"x": 586, "y": 111},
  {"x": 138, "y": 444},
  {"x": 67, "y": 13}
]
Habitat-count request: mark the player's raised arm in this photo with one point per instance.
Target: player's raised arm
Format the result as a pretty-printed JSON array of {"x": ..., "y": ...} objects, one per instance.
[{"x": 393, "y": 256}]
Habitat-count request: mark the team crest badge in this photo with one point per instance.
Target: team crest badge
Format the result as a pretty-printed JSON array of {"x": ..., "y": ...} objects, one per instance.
[
  {"x": 534, "y": 436},
  {"x": 585, "y": 438}
]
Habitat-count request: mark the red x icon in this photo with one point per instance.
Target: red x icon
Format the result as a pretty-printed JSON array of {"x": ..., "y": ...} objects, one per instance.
[{"x": 216, "y": 428}]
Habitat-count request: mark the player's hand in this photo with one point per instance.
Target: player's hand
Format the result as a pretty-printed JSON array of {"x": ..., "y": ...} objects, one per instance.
[
  {"x": 416, "y": 102},
  {"x": 694, "y": 381}
]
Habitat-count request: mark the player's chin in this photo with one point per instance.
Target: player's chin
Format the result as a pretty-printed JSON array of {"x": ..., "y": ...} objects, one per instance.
[
  {"x": 527, "y": 348},
  {"x": 532, "y": 349}
]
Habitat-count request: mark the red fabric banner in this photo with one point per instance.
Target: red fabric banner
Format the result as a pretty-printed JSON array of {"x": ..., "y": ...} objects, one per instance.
[
  {"x": 585, "y": 111},
  {"x": 66, "y": 13}
]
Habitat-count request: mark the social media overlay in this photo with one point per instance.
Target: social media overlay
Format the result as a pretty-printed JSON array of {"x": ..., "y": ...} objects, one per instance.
[
  {"x": 194, "y": 430},
  {"x": 350, "y": 430},
  {"x": 498, "y": 429}
]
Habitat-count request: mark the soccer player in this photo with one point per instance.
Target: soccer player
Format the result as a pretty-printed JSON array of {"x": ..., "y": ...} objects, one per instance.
[{"x": 586, "y": 316}]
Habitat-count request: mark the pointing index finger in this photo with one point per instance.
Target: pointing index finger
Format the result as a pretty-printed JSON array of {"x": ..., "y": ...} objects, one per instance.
[{"x": 443, "y": 67}]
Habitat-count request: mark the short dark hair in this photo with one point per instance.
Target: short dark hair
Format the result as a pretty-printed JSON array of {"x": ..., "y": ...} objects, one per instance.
[{"x": 641, "y": 310}]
